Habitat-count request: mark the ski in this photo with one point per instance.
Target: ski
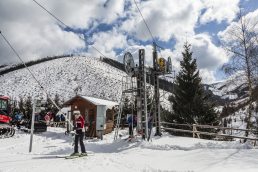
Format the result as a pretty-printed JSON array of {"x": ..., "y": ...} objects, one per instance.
[
  {"x": 70, "y": 157},
  {"x": 65, "y": 156},
  {"x": 73, "y": 157}
]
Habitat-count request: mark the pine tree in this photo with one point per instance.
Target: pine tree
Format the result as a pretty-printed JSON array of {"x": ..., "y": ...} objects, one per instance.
[
  {"x": 28, "y": 106},
  {"x": 190, "y": 103},
  {"x": 21, "y": 105},
  {"x": 57, "y": 101}
]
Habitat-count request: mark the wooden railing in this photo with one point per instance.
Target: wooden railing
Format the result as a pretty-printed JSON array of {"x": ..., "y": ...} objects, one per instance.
[
  {"x": 195, "y": 131},
  {"x": 63, "y": 122}
]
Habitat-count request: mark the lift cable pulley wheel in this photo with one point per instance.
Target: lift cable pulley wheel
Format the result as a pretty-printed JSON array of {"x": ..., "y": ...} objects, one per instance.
[{"x": 129, "y": 64}]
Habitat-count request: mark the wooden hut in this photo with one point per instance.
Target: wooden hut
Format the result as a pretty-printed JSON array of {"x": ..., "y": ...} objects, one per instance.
[{"x": 98, "y": 114}]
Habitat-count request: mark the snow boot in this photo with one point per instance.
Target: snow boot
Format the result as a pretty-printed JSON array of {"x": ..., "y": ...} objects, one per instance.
[
  {"x": 83, "y": 154},
  {"x": 75, "y": 154}
]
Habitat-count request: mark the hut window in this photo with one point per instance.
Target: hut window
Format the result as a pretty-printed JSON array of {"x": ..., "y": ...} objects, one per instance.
[
  {"x": 91, "y": 115},
  {"x": 109, "y": 115}
]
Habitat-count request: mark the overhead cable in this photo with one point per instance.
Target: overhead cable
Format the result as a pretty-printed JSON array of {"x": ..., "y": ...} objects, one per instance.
[
  {"x": 75, "y": 33},
  {"x": 32, "y": 74},
  {"x": 147, "y": 26}
]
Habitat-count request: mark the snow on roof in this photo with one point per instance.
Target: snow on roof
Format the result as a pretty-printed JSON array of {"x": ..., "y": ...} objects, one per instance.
[
  {"x": 97, "y": 101},
  {"x": 64, "y": 110}
]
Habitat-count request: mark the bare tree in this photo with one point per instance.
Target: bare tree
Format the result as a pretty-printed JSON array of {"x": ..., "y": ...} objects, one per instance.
[{"x": 239, "y": 40}]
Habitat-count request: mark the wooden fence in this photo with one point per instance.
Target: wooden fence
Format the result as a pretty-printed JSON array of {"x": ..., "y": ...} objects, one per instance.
[{"x": 195, "y": 131}]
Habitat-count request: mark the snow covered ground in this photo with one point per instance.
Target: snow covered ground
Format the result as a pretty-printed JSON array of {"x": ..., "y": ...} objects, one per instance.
[{"x": 166, "y": 153}]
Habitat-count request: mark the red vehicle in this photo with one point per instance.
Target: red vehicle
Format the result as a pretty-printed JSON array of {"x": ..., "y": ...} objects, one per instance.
[{"x": 6, "y": 128}]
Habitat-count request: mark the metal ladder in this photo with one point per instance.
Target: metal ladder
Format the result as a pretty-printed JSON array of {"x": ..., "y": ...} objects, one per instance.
[
  {"x": 121, "y": 104},
  {"x": 128, "y": 87}
]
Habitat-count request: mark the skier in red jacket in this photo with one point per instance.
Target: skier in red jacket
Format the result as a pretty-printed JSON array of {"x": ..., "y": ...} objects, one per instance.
[{"x": 79, "y": 126}]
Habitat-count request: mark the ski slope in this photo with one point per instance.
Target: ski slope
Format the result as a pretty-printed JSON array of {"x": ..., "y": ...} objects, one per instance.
[
  {"x": 166, "y": 153},
  {"x": 67, "y": 77}
]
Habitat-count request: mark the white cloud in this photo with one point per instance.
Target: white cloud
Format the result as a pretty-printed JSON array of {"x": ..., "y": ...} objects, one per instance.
[
  {"x": 207, "y": 76},
  {"x": 165, "y": 19},
  {"x": 219, "y": 10},
  {"x": 35, "y": 34},
  {"x": 107, "y": 42}
]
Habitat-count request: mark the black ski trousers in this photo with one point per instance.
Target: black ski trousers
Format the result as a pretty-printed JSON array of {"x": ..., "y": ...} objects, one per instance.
[
  {"x": 130, "y": 130},
  {"x": 123, "y": 123},
  {"x": 77, "y": 136}
]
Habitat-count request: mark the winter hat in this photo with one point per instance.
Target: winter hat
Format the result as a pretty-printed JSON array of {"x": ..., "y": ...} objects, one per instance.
[{"x": 77, "y": 113}]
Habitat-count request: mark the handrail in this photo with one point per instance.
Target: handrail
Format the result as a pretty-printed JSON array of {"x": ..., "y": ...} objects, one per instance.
[
  {"x": 224, "y": 135},
  {"x": 207, "y": 133},
  {"x": 206, "y": 126}
]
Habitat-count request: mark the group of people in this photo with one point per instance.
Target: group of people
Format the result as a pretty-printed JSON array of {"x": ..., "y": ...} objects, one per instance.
[
  {"x": 20, "y": 115},
  {"x": 37, "y": 117},
  {"x": 58, "y": 118},
  {"x": 132, "y": 121}
]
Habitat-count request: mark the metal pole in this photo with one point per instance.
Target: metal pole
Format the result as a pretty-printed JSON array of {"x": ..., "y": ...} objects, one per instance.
[
  {"x": 32, "y": 123},
  {"x": 145, "y": 104}
]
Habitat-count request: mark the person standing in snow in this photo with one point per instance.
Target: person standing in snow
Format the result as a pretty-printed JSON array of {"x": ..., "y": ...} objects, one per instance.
[
  {"x": 62, "y": 117},
  {"x": 36, "y": 117},
  {"x": 26, "y": 115},
  {"x": 57, "y": 120},
  {"x": 47, "y": 119},
  {"x": 79, "y": 127},
  {"x": 18, "y": 116},
  {"x": 131, "y": 121},
  {"x": 149, "y": 123},
  {"x": 50, "y": 115},
  {"x": 39, "y": 117}
]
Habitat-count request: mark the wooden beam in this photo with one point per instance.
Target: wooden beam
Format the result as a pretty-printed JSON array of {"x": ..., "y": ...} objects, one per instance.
[
  {"x": 206, "y": 133},
  {"x": 205, "y": 126}
]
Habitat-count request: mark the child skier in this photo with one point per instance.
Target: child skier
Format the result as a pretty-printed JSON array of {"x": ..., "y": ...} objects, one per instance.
[
  {"x": 79, "y": 126},
  {"x": 131, "y": 121}
]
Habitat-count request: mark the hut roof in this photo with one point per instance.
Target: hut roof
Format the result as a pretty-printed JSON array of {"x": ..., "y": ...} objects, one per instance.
[{"x": 96, "y": 101}]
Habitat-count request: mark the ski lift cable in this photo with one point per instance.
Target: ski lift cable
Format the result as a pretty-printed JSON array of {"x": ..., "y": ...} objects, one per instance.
[
  {"x": 33, "y": 76},
  {"x": 146, "y": 26},
  {"x": 75, "y": 33}
]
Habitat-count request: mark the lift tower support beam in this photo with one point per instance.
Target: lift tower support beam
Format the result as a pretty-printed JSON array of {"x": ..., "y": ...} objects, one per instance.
[{"x": 156, "y": 90}]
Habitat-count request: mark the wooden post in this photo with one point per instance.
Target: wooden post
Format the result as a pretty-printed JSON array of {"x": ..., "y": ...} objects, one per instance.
[
  {"x": 224, "y": 132},
  {"x": 194, "y": 129},
  {"x": 67, "y": 126}
]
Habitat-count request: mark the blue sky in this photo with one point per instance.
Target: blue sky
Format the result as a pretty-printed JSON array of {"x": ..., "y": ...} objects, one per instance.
[{"x": 116, "y": 27}]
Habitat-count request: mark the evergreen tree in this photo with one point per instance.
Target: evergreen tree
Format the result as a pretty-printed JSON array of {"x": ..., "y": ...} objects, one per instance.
[
  {"x": 57, "y": 101},
  {"x": 190, "y": 103},
  {"x": 28, "y": 106},
  {"x": 21, "y": 105}
]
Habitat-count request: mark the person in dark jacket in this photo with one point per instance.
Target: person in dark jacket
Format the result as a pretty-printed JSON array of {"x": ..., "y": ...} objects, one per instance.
[
  {"x": 149, "y": 123},
  {"x": 57, "y": 118},
  {"x": 131, "y": 121},
  {"x": 62, "y": 117},
  {"x": 79, "y": 126},
  {"x": 123, "y": 118},
  {"x": 26, "y": 115}
]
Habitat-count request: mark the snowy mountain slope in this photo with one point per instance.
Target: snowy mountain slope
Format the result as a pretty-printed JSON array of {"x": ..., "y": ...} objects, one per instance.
[
  {"x": 232, "y": 88},
  {"x": 66, "y": 77}
]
